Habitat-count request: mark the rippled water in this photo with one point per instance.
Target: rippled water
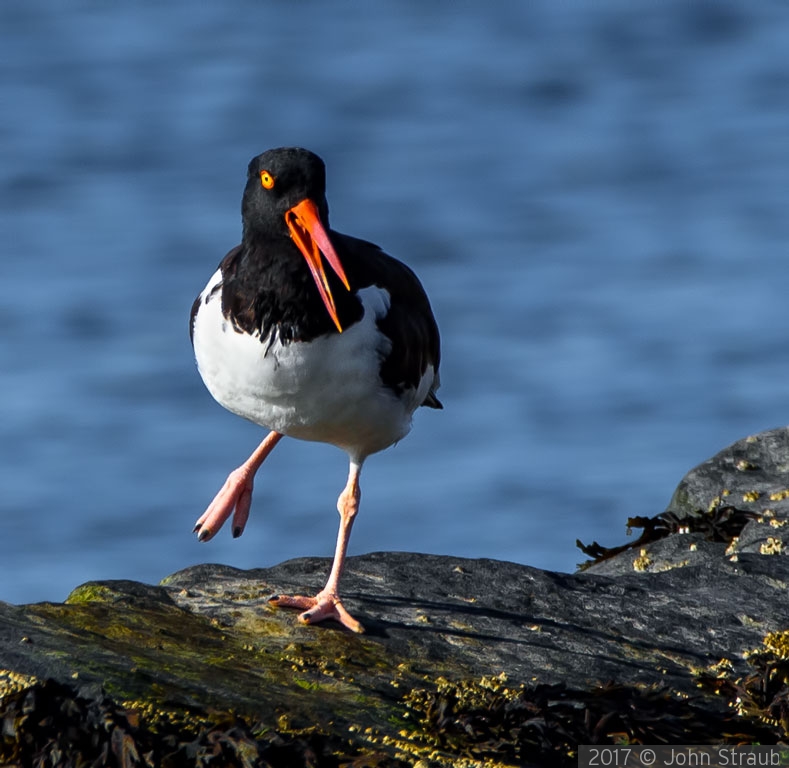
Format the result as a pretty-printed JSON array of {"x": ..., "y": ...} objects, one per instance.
[{"x": 594, "y": 196}]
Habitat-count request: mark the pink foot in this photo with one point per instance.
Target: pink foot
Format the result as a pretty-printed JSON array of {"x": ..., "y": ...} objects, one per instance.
[
  {"x": 234, "y": 498},
  {"x": 325, "y": 605}
]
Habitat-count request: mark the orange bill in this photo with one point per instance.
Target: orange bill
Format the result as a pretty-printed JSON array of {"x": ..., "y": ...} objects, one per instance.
[{"x": 307, "y": 231}]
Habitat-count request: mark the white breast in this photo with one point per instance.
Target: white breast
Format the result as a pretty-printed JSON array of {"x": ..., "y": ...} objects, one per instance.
[{"x": 328, "y": 389}]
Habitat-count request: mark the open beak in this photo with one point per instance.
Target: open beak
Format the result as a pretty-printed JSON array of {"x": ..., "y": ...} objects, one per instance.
[{"x": 304, "y": 223}]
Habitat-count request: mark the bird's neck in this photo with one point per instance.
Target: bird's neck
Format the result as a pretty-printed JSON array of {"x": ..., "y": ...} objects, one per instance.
[
  {"x": 262, "y": 253},
  {"x": 271, "y": 287}
]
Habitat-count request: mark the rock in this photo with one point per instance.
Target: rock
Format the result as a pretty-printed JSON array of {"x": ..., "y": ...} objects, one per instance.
[
  {"x": 736, "y": 503},
  {"x": 752, "y": 473},
  {"x": 463, "y": 660}
]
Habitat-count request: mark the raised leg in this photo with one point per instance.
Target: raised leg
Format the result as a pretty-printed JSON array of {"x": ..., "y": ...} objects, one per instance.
[
  {"x": 235, "y": 496},
  {"x": 327, "y": 604}
]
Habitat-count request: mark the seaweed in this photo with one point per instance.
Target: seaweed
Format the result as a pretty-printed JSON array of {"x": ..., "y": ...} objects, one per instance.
[
  {"x": 51, "y": 724},
  {"x": 717, "y": 524},
  {"x": 544, "y": 724},
  {"x": 763, "y": 694}
]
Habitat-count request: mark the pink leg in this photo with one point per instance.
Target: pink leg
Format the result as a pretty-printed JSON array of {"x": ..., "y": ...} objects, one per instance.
[
  {"x": 235, "y": 497},
  {"x": 327, "y": 604}
]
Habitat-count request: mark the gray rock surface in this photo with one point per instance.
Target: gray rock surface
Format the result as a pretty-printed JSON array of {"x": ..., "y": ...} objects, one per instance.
[{"x": 752, "y": 473}]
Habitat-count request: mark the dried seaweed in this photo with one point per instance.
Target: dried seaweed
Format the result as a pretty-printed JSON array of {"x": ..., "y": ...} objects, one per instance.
[
  {"x": 719, "y": 524},
  {"x": 764, "y": 693},
  {"x": 451, "y": 723},
  {"x": 544, "y": 724},
  {"x": 50, "y": 725}
]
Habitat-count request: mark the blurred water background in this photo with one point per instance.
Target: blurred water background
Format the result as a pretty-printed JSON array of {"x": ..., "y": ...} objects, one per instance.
[{"x": 594, "y": 195}]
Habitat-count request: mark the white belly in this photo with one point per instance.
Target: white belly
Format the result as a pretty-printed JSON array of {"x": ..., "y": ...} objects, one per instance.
[{"x": 328, "y": 389}]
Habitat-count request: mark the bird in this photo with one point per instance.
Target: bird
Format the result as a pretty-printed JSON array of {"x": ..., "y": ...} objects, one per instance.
[{"x": 315, "y": 335}]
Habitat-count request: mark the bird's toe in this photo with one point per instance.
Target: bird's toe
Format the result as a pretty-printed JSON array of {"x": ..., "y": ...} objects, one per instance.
[{"x": 322, "y": 607}]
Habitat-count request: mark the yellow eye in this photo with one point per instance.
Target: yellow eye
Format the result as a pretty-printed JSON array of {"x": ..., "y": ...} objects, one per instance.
[{"x": 266, "y": 179}]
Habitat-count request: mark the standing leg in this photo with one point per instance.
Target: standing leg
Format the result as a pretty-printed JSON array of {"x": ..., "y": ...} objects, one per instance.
[
  {"x": 327, "y": 604},
  {"x": 235, "y": 496}
]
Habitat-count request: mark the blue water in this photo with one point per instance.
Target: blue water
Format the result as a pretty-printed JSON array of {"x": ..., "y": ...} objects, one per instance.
[{"x": 594, "y": 195}]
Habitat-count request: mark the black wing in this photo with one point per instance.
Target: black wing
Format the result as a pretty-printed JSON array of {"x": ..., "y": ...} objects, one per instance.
[{"x": 409, "y": 324}]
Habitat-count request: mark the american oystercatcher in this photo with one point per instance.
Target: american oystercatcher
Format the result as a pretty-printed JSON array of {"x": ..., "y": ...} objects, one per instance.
[{"x": 342, "y": 356}]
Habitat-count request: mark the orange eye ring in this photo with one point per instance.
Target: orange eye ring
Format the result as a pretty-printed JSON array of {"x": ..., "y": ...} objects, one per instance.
[{"x": 266, "y": 179}]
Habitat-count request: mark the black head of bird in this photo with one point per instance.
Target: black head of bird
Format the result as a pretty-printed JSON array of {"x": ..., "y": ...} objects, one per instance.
[{"x": 285, "y": 197}]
